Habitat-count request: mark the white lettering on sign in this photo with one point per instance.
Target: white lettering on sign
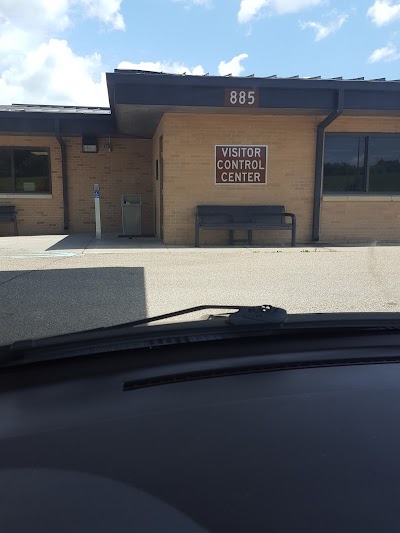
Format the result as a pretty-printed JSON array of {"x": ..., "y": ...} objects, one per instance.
[
  {"x": 240, "y": 151},
  {"x": 241, "y": 177},
  {"x": 241, "y": 164},
  {"x": 241, "y": 97}
]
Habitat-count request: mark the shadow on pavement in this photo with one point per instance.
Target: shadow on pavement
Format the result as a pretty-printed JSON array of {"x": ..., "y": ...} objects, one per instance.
[
  {"x": 73, "y": 242},
  {"x": 52, "y": 302},
  {"x": 88, "y": 241}
]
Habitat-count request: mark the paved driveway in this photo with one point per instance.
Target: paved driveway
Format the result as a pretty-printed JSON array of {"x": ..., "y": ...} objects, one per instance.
[{"x": 52, "y": 285}]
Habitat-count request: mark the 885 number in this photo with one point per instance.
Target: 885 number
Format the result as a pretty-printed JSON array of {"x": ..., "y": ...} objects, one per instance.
[{"x": 241, "y": 97}]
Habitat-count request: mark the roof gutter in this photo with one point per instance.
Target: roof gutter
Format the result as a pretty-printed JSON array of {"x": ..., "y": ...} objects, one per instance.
[
  {"x": 319, "y": 163},
  {"x": 64, "y": 174}
]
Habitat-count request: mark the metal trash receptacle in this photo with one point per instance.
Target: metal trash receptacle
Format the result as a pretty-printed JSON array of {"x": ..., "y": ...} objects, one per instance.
[{"x": 131, "y": 214}]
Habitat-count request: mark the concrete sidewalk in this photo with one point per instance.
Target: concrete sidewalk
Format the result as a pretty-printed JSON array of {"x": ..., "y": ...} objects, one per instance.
[
  {"x": 76, "y": 244},
  {"x": 79, "y": 244},
  {"x": 86, "y": 243},
  {"x": 38, "y": 245}
]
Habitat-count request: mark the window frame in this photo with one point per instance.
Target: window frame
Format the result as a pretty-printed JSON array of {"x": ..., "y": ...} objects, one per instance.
[
  {"x": 367, "y": 136},
  {"x": 12, "y": 149}
]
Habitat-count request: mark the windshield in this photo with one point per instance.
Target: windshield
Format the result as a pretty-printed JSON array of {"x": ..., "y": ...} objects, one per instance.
[{"x": 166, "y": 154}]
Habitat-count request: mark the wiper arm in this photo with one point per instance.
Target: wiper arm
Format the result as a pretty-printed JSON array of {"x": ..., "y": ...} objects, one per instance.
[
  {"x": 245, "y": 315},
  {"x": 245, "y": 321}
]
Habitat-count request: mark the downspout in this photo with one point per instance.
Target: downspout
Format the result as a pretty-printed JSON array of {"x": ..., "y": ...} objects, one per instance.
[
  {"x": 64, "y": 175},
  {"x": 319, "y": 163}
]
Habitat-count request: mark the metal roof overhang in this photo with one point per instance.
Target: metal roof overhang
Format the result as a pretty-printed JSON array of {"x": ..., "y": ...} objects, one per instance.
[
  {"x": 142, "y": 122},
  {"x": 138, "y": 101},
  {"x": 42, "y": 123}
]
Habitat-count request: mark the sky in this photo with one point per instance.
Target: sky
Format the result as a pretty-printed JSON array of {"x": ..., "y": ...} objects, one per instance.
[{"x": 57, "y": 51}]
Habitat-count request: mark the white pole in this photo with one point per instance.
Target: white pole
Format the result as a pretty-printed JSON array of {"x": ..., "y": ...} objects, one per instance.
[{"x": 97, "y": 210}]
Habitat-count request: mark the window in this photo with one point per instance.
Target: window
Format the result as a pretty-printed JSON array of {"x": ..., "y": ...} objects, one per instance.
[
  {"x": 384, "y": 164},
  {"x": 24, "y": 170},
  {"x": 362, "y": 164},
  {"x": 344, "y": 164}
]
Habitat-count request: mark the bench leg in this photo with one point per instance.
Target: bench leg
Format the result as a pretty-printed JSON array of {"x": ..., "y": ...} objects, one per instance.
[
  {"x": 15, "y": 227},
  {"x": 250, "y": 237},
  {"x": 294, "y": 233},
  {"x": 231, "y": 237},
  {"x": 196, "y": 236}
]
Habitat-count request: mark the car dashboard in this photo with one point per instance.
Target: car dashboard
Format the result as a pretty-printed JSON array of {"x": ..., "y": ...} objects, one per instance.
[{"x": 97, "y": 445}]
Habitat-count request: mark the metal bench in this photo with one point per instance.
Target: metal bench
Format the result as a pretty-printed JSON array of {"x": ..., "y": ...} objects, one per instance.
[
  {"x": 8, "y": 214},
  {"x": 243, "y": 217}
]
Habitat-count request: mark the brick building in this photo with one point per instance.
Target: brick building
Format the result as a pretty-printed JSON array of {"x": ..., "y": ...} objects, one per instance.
[{"x": 333, "y": 156}]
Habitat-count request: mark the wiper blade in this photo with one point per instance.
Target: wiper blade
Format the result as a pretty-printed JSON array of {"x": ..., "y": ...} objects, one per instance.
[
  {"x": 245, "y": 315},
  {"x": 243, "y": 318},
  {"x": 247, "y": 321}
]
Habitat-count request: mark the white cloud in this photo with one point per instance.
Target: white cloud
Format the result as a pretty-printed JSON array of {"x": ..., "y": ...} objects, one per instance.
[
  {"x": 250, "y": 9},
  {"x": 384, "y": 11},
  {"x": 55, "y": 15},
  {"x": 107, "y": 11},
  {"x": 36, "y": 67},
  {"x": 386, "y": 53},
  {"x": 38, "y": 14},
  {"x": 323, "y": 30},
  {"x": 160, "y": 66},
  {"x": 53, "y": 74},
  {"x": 234, "y": 66}
]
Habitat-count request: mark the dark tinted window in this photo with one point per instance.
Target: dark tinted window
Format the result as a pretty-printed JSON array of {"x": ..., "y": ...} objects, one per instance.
[
  {"x": 5, "y": 171},
  {"x": 344, "y": 164},
  {"x": 31, "y": 171},
  {"x": 24, "y": 171},
  {"x": 384, "y": 164}
]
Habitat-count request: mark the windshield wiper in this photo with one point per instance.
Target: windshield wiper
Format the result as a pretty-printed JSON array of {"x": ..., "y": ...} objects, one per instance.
[
  {"x": 243, "y": 318},
  {"x": 246, "y": 321},
  {"x": 245, "y": 315}
]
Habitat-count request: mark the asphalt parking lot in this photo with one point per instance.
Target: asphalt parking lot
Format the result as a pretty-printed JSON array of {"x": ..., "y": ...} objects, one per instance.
[{"x": 59, "y": 284}]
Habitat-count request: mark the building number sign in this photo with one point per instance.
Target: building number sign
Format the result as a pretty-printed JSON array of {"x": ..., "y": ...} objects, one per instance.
[{"x": 241, "y": 97}]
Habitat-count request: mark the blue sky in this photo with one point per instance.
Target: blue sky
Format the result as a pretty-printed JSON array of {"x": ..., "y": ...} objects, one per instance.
[{"x": 58, "y": 51}]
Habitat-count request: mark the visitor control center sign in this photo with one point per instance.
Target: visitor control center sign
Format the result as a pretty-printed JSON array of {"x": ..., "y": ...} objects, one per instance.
[{"x": 240, "y": 164}]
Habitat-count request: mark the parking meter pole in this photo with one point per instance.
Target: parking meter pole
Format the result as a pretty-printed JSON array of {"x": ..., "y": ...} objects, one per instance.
[{"x": 96, "y": 189}]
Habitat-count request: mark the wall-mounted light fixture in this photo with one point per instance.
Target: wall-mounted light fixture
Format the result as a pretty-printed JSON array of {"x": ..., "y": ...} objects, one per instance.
[{"x": 89, "y": 145}]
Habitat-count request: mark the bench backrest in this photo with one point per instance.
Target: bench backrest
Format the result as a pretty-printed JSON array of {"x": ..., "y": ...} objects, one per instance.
[
  {"x": 7, "y": 212},
  {"x": 273, "y": 214}
]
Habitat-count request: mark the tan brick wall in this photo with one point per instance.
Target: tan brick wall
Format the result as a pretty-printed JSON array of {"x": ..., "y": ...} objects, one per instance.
[
  {"x": 127, "y": 169},
  {"x": 156, "y": 182},
  {"x": 37, "y": 216},
  {"x": 364, "y": 219},
  {"x": 189, "y": 142},
  {"x": 360, "y": 221},
  {"x": 347, "y": 123}
]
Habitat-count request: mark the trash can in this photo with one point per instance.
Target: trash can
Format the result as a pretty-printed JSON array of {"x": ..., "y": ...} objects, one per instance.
[{"x": 131, "y": 214}]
